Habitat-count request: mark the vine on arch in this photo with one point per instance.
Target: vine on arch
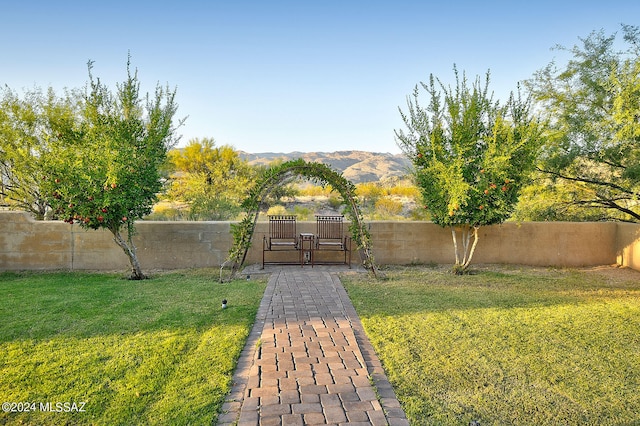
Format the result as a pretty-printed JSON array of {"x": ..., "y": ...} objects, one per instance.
[{"x": 281, "y": 174}]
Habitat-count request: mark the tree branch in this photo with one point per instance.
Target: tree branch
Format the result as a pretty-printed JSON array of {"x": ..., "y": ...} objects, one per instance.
[
  {"x": 608, "y": 204},
  {"x": 591, "y": 181},
  {"x": 612, "y": 204}
]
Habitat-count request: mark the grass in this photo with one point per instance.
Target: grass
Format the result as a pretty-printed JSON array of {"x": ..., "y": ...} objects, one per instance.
[
  {"x": 506, "y": 345},
  {"x": 160, "y": 351}
]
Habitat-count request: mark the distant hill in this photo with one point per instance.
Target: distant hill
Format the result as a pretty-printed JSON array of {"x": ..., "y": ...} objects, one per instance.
[{"x": 357, "y": 166}]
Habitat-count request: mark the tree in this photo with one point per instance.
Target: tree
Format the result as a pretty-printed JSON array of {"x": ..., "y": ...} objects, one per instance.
[
  {"x": 212, "y": 180},
  {"x": 27, "y": 125},
  {"x": 593, "y": 105},
  {"x": 547, "y": 199},
  {"x": 107, "y": 175},
  {"x": 471, "y": 156}
]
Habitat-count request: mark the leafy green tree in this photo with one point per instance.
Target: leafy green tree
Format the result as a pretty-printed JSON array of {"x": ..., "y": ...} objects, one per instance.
[
  {"x": 108, "y": 174},
  {"x": 548, "y": 199},
  {"x": 212, "y": 180},
  {"x": 593, "y": 105},
  {"x": 471, "y": 156},
  {"x": 28, "y": 124}
]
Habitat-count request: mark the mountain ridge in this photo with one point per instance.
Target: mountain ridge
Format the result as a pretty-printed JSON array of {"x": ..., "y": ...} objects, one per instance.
[{"x": 357, "y": 166}]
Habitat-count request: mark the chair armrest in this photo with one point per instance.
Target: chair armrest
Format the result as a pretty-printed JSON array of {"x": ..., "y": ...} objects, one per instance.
[{"x": 347, "y": 242}]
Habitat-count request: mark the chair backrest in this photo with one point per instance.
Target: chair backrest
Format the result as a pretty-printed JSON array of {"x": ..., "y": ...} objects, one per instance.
[
  {"x": 329, "y": 227},
  {"x": 282, "y": 226}
]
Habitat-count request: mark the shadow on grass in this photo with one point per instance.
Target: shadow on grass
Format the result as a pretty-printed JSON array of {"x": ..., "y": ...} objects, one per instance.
[
  {"x": 414, "y": 290},
  {"x": 41, "y": 305},
  {"x": 159, "y": 351},
  {"x": 507, "y": 345}
]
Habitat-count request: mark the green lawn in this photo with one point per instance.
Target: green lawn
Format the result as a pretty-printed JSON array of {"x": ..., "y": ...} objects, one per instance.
[
  {"x": 518, "y": 346},
  {"x": 160, "y": 351}
]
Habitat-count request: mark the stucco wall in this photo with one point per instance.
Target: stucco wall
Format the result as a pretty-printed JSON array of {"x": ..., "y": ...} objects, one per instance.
[
  {"x": 34, "y": 245},
  {"x": 532, "y": 243},
  {"x": 26, "y": 244},
  {"x": 628, "y": 245}
]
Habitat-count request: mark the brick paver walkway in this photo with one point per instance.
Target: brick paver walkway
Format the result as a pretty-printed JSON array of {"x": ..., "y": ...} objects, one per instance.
[{"x": 308, "y": 361}]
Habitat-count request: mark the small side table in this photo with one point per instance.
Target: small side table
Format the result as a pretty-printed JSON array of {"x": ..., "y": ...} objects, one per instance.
[{"x": 307, "y": 241}]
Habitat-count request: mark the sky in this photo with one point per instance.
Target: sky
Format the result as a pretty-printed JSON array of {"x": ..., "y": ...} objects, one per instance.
[{"x": 283, "y": 76}]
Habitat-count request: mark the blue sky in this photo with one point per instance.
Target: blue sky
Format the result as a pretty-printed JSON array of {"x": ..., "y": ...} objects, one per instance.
[{"x": 287, "y": 76}]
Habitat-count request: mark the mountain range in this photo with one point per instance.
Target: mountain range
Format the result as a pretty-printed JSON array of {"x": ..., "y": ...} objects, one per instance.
[{"x": 357, "y": 166}]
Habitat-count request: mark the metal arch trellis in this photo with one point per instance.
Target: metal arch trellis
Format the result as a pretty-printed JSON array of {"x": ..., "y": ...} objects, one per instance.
[{"x": 278, "y": 175}]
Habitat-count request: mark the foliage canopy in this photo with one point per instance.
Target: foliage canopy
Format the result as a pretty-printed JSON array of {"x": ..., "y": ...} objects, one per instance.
[
  {"x": 211, "y": 180},
  {"x": 106, "y": 172},
  {"x": 471, "y": 155},
  {"x": 28, "y": 125},
  {"x": 593, "y": 105}
]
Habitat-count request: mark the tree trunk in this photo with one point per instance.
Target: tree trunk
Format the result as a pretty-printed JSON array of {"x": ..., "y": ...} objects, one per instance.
[
  {"x": 130, "y": 250},
  {"x": 455, "y": 246},
  {"x": 473, "y": 246},
  {"x": 466, "y": 232}
]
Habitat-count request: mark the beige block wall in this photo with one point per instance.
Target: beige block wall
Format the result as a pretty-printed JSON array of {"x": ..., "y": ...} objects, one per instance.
[
  {"x": 532, "y": 243},
  {"x": 26, "y": 244},
  {"x": 29, "y": 244}
]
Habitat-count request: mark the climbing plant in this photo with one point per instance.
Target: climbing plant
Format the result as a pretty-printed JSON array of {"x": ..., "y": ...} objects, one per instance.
[{"x": 279, "y": 175}]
